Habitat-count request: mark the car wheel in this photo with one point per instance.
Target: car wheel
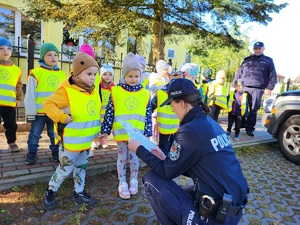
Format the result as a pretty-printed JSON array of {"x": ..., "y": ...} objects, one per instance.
[{"x": 289, "y": 139}]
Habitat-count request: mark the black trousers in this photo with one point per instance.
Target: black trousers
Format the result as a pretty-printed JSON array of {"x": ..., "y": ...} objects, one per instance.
[
  {"x": 8, "y": 114},
  {"x": 256, "y": 101},
  {"x": 215, "y": 112},
  {"x": 237, "y": 120}
]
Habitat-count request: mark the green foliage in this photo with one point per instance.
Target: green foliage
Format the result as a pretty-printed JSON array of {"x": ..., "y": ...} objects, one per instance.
[{"x": 214, "y": 24}]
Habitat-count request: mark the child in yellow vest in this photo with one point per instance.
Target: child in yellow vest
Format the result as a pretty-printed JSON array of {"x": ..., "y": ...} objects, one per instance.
[
  {"x": 217, "y": 95},
  {"x": 129, "y": 102},
  {"x": 238, "y": 107},
  {"x": 107, "y": 76},
  {"x": 77, "y": 124},
  {"x": 167, "y": 120},
  {"x": 158, "y": 81},
  {"x": 42, "y": 81},
  {"x": 11, "y": 93}
]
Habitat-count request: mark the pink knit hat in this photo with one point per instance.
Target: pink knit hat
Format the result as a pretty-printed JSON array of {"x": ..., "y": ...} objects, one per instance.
[{"x": 87, "y": 49}]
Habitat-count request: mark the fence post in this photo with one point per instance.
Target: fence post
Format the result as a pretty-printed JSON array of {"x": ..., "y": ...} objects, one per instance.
[
  {"x": 30, "y": 52},
  {"x": 288, "y": 84}
]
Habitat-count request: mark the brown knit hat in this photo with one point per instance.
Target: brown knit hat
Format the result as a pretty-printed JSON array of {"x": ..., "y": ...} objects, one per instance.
[{"x": 81, "y": 62}]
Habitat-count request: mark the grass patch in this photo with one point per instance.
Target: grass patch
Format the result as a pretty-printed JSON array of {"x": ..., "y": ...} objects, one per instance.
[
  {"x": 244, "y": 150},
  {"x": 103, "y": 212},
  {"x": 144, "y": 210}
]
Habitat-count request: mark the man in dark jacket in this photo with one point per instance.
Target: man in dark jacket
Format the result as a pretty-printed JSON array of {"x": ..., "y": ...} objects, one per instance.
[
  {"x": 202, "y": 151},
  {"x": 259, "y": 76}
]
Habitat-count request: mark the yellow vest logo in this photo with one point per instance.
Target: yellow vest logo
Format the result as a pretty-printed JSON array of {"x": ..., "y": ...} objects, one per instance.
[
  {"x": 105, "y": 98},
  {"x": 53, "y": 81},
  {"x": 131, "y": 103},
  {"x": 4, "y": 75},
  {"x": 91, "y": 107}
]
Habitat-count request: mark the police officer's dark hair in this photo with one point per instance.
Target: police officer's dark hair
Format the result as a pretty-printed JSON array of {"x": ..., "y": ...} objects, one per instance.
[{"x": 194, "y": 99}]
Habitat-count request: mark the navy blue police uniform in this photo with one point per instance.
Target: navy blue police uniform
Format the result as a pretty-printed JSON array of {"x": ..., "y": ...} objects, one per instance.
[
  {"x": 258, "y": 74},
  {"x": 202, "y": 151}
]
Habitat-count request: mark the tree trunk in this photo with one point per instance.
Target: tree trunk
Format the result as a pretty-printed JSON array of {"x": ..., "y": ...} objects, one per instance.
[{"x": 158, "y": 43}]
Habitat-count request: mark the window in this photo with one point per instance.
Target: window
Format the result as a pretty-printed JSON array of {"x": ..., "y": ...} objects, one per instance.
[
  {"x": 14, "y": 25},
  {"x": 188, "y": 58},
  {"x": 7, "y": 24},
  {"x": 171, "y": 53}
]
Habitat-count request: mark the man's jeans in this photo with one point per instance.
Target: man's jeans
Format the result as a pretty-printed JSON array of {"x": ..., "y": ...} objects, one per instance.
[{"x": 36, "y": 130}]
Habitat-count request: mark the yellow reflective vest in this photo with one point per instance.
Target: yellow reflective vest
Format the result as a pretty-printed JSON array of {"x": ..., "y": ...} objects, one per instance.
[
  {"x": 47, "y": 83},
  {"x": 130, "y": 107},
  {"x": 220, "y": 94},
  {"x": 167, "y": 120},
  {"x": 9, "y": 76},
  {"x": 79, "y": 134},
  {"x": 243, "y": 102},
  {"x": 105, "y": 93}
]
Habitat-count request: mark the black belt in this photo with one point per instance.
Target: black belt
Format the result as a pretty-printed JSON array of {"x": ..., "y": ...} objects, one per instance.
[
  {"x": 234, "y": 210},
  {"x": 254, "y": 87}
]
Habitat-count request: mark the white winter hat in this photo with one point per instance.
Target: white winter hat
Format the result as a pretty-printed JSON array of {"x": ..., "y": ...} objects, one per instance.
[
  {"x": 106, "y": 68},
  {"x": 161, "y": 65}
]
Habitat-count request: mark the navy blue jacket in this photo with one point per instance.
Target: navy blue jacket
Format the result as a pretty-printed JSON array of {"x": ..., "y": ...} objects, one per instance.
[
  {"x": 202, "y": 151},
  {"x": 257, "y": 71}
]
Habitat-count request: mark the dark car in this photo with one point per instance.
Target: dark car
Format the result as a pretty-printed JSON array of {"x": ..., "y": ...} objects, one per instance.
[{"x": 283, "y": 123}]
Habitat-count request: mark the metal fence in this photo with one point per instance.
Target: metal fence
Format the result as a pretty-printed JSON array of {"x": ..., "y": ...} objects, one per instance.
[{"x": 30, "y": 53}]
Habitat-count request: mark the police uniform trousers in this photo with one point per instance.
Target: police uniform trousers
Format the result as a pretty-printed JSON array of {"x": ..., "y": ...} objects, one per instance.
[
  {"x": 256, "y": 99},
  {"x": 173, "y": 205}
]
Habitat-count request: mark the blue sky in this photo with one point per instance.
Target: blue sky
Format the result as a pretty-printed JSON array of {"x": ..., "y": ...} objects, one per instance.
[{"x": 281, "y": 38}]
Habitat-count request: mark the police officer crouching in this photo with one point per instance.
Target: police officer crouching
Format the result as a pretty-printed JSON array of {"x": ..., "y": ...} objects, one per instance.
[{"x": 201, "y": 151}]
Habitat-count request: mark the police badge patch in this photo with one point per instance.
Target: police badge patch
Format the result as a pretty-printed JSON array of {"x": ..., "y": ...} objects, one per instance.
[{"x": 175, "y": 151}]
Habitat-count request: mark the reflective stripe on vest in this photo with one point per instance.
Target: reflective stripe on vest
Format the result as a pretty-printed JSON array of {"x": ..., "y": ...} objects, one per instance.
[
  {"x": 79, "y": 134},
  {"x": 105, "y": 93},
  {"x": 167, "y": 120},
  {"x": 9, "y": 77},
  {"x": 130, "y": 107},
  {"x": 243, "y": 102},
  {"x": 47, "y": 83}
]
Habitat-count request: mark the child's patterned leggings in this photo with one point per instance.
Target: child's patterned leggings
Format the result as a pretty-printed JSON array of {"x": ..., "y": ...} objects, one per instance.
[{"x": 123, "y": 154}]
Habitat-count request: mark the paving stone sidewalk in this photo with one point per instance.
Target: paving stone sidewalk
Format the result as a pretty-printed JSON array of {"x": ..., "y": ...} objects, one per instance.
[
  {"x": 14, "y": 171},
  {"x": 274, "y": 196}
]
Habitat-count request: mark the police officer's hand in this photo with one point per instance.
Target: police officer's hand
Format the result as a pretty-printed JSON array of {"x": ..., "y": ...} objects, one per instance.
[
  {"x": 159, "y": 153},
  {"x": 268, "y": 92},
  {"x": 133, "y": 145}
]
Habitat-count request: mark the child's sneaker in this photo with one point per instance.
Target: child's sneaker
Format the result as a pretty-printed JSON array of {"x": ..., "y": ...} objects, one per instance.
[
  {"x": 123, "y": 190},
  {"x": 49, "y": 201},
  {"x": 228, "y": 133},
  {"x": 236, "y": 137},
  {"x": 91, "y": 153},
  {"x": 104, "y": 146},
  {"x": 83, "y": 197},
  {"x": 134, "y": 184},
  {"x": 30, "y": 158},
  {"x": 13, "y": 147},
  {"x": 95, "y": 145}
]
